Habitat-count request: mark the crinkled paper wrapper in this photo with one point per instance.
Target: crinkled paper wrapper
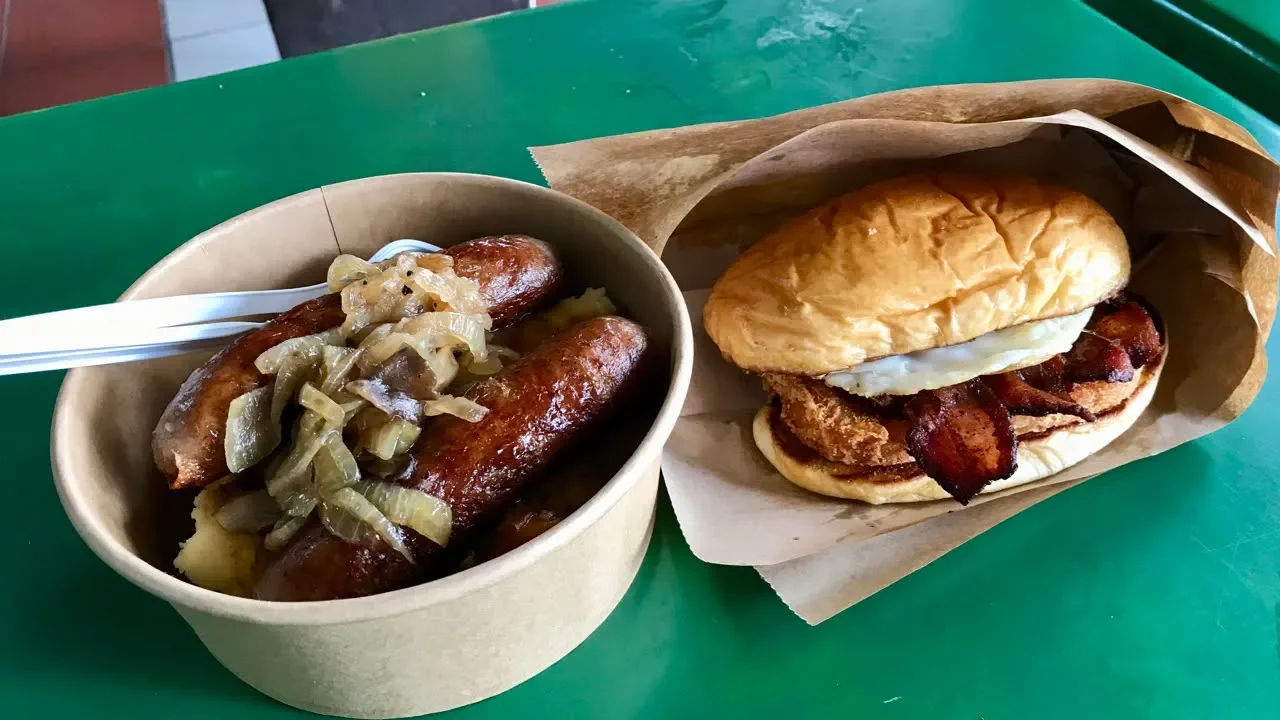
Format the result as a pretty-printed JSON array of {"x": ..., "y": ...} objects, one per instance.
[{"x": 1196, "y": 196}]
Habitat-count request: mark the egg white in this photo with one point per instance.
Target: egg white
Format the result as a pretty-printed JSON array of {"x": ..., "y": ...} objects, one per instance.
[{"x": 998, "y": 351}]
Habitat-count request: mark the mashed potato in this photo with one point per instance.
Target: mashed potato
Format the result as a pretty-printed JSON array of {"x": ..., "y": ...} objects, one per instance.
[
  {"x": 215, "y": 558},
  {"x": 528, "y": 334}
]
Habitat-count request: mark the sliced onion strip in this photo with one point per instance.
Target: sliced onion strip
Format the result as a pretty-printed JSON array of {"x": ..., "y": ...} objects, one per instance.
[
  {"x": 308, "y": 346},
  {"x": 290, "y": 481},
  {"x": 284, "y": 530},
  {"x": 294, "y": 370},
  {"x": 335, "y": 466},
  {"x": 445, "y": 366},
  {"x": 453, "y": 293},
  {"x": 351, "y": 517},
  {"x": 392, "y": 438},
  {"x": 346, "y": 269},
  {"x": 395, "y": 404},
  {"x": 459, "y": 407},
  {"x": 251, "y": 432},
  {"x": 425, "y": 514},
  {"x": 484, "y": 368},
  {"x": 337, "y": 362},
  {"x": 249, "y": 513},
  {"x": 322, "y": 405},
  {"x": 444, "y": 329}
]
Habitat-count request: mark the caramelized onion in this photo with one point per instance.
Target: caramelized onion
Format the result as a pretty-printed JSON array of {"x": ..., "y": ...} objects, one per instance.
[
  {"x": 284, "y": 530},
  {"x": 370, "y": 424},
  {"x": 435, "y": 262},
  {"x": 367, "y": 338},
  {"x": 459, "y": 407},
  {"x": 451, "y": 292},
  {"x": 346, "y": 269},
  {"x": 483, "y": 368},
  {"x": 290, "y": 479},
  {"x": 444, "y": 366},
  {"x": 371, "y": 465},
  {"x": 398, "y": 405},
  {"x": 407, "y": 287},
  {"x": 335, "y": 466},
  {"x": 249, "y": 513},
  {"x": 350, "y": 404},
  {"x": 350, "y": 516},
  {"x": 295, "y": 494},
  {"x": 336, "y": 364},
  {"x": 251, "y": 432},
  {"x": 323, "y": 406},
  {"x": 294, "y": 370},
  {"x": 472, "y": 371},
  {"x": 402, "y": 360},
  {"x": 409, "y": 374},
  {"x": 310, "y": 346},
  {"x": 389, "y": 438},
  {"x": 426, "y": 334},
  {"x": 379, "y": 347},
  {"x": 450, "y": 329},
  {"x": 425, "y": 514}
]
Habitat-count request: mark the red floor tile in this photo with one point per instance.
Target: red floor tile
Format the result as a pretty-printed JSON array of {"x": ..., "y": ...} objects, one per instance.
[
  {"x": 62, "y": 51},
  {"x": 82, "y": 78},
  {"x": 48, "y": 31}
]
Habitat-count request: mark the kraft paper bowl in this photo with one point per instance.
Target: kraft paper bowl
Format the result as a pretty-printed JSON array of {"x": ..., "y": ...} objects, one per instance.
[{"x": 428, "y": 648}]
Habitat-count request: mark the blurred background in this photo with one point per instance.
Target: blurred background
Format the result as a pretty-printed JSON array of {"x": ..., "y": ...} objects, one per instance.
[{"x": 54, "y": 52}]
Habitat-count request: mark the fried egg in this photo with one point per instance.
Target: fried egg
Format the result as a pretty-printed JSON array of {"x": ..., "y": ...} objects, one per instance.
[{"x": 998, "y": 351}]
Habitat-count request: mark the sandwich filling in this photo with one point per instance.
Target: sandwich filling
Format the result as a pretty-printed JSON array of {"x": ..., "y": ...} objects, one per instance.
[
  {"x": 963, "y": 434},
  {"x": 1010, "y": 348}
]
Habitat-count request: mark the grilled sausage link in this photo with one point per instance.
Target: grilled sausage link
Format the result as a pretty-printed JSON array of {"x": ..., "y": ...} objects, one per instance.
[
  {"x": 515, "y": 273},
  {"x": 536, "y": 407}
]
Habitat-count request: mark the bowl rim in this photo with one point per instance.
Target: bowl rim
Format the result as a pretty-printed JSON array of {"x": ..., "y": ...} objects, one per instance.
[{"x": 185, "y": 595}]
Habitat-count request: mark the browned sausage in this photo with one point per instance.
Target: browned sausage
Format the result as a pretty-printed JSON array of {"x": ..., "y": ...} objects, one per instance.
[
  {"x": 566, "y": 486},
  {"x": 536, "y": 407},
  {"x": 515, "y": 273}
]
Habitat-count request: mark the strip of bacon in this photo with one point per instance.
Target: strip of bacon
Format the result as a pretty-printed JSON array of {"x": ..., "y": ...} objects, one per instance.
[
  {"x": 1020, "y": 398},
  {"x": 1121, "y": 336},
  {"x": 962, "y": 437},
  {"x": 1050, "y": 375},
  {"x": 1096, "y": 358},
  {"x": 1128, "y": 324}
]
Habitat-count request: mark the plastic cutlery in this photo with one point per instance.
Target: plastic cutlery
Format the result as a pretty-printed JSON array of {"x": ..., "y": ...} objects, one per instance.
[{"x": 156, "y": 327}]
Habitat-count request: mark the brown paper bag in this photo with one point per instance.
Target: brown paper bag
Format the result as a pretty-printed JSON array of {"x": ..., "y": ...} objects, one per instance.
[{"x": 1194, "y": 192}]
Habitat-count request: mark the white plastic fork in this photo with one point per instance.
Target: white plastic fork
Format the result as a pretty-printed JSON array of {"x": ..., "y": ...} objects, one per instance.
[{"x": 152, "y": 328}]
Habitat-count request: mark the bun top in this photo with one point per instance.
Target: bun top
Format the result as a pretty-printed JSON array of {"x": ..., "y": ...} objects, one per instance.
[{"x": 910, "y": 264}]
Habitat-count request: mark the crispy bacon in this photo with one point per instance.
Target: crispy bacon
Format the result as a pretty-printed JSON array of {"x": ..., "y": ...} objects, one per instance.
[
  {"x": 1096, "y": 358},
  {"x": 1121, "y": 336},
  {"x": 1128, "y": 324},
  {"x": 963, "y": 437},
  {"x": 1050, "y": 375},
  {"x": 1022, "y": 399}
]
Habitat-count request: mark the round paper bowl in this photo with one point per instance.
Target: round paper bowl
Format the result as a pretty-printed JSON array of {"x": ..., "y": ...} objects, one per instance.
[{"x": 427, "y": 648}]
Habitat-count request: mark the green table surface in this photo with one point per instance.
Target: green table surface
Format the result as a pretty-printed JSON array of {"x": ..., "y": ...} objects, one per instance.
[
  {"x": 1153, "y": 591},
  {"x": 1261, "y": 15},
  {"x": 1233, "y": 43}
]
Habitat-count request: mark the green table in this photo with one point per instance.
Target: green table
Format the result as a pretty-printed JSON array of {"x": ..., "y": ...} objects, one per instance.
[
  {"x": 1082, "y": 607},
  {"x": 1233, "y": 43}
]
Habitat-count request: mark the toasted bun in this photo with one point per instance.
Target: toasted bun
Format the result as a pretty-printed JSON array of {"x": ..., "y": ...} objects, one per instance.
[
  {"x": 913, "y": 263},
  {"x": 1039, "y": 457}
]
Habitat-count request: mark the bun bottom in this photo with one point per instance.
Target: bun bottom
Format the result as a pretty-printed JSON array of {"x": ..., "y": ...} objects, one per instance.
[{"x": 1039, "y": 456}]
